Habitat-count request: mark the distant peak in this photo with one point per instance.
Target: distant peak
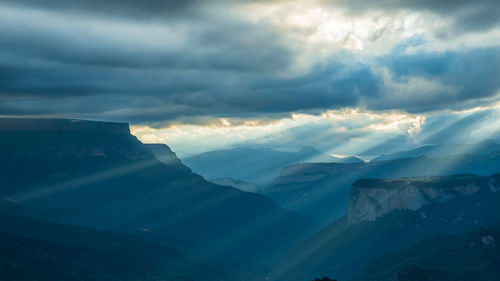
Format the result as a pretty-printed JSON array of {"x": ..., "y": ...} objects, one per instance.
[{"x": 351, "y": 160}]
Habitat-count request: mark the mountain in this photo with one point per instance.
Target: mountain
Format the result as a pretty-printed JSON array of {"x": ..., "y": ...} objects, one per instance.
[
  {"x": 350, "y": 160},
  {"x": 473, "y": 255},
  {"x": 322, "y": 189},
  {"x": 443, "y": 150},
  {"x": 254, "y": 165},
  {"x": 163, "y": 153},
  {"x": 241, "y": 185},
  {"x": 97, "y": 174},
  {"x": 37, "y": 250},
  {"x": 410, "y": 210}
]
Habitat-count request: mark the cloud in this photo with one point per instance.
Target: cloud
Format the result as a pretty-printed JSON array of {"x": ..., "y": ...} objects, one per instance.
[
  {"x": 224, "y": 45},
  {"x": 347, "y": 131},
  {"x": 465, "y": 16},
  {"x": 128, "y": 8},
  {"x": 160, "y": 62},
  {"x": 140, "y": 95},
  {"x": 427, "y": 81},
  {"x": 225, "y": 70}
]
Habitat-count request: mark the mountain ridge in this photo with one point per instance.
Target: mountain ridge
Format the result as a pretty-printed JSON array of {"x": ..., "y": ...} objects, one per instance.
[
  {"x": 322, "y": 189},
  {"x": 113, "y": 182},
  {"x": 254, "y": 165},
  {"x": 442, "y": 150}
]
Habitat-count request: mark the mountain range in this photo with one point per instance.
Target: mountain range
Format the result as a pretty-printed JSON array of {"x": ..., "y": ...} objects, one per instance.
[
  {"x": 97, "y": 174},
  {"x": 85, "y": 200},
  {"x": 322, "y": 189},
  {"x": 255, "y": 165},
  {"x": 485, "y": 147}
]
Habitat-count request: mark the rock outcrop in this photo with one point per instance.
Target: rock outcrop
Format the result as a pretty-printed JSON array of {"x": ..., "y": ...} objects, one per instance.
[{"x": 371, "y": 198}]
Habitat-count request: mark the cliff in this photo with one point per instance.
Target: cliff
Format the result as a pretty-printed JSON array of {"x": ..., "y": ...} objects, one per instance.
[
  {"x": 451, "y": 205},
  {"x": 96, "y": 174},
  {"x": 62, "y": 125},
  {"x": 373, "y": 198},
  {"x": 29, "y": 140}
]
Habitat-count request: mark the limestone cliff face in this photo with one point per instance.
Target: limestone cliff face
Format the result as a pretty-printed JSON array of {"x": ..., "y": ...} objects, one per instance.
[
  {"x": 59, "y": 139},
  {"x": 370, "y": 198}
]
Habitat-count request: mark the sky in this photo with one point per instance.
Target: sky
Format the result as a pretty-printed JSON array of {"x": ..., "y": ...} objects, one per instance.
[{"x": 349, "y": 77}]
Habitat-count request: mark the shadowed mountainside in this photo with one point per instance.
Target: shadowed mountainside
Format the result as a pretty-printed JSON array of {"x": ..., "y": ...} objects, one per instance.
[
  {"x": 471, "y": 256},
  {"x": 36, "y": 250},
  {"x": 241, "y": 185},
  {"x": 163, "y": 153},
  {"x": 97, "y": 174}
]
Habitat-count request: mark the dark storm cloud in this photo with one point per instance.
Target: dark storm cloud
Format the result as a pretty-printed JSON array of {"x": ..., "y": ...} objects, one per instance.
[
  {"x": 226, "y": 68},
  {"x": 471, "y": 75},
  {"x": 223, "y": 46},
  {"x": 466, "y": 15},
  {"x": 128, "y": 8},
  {"x": 143, "y": 86},
  {"x": 134, "y": 70},
  {"x": 331, "y": 85},
  {"x": 155, "y": 95}
]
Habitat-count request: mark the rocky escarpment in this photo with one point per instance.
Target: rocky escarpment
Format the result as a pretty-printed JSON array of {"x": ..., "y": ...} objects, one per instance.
[
  {"x": 47, "y": 140},
  {"x": 371, "y": 198},
  {"x": 62, "y": 125},
  {"x": 97, "y": 174},
  {"x": 454, "y": 207},
  {"x": 322, "y": 189}
]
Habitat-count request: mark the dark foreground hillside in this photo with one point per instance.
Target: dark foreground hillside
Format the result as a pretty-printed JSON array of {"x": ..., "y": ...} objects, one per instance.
[
  {"x": 36, "y": 250},
  {"x": 97, "y": 174},
  {"x": 472, "y": 256}
]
